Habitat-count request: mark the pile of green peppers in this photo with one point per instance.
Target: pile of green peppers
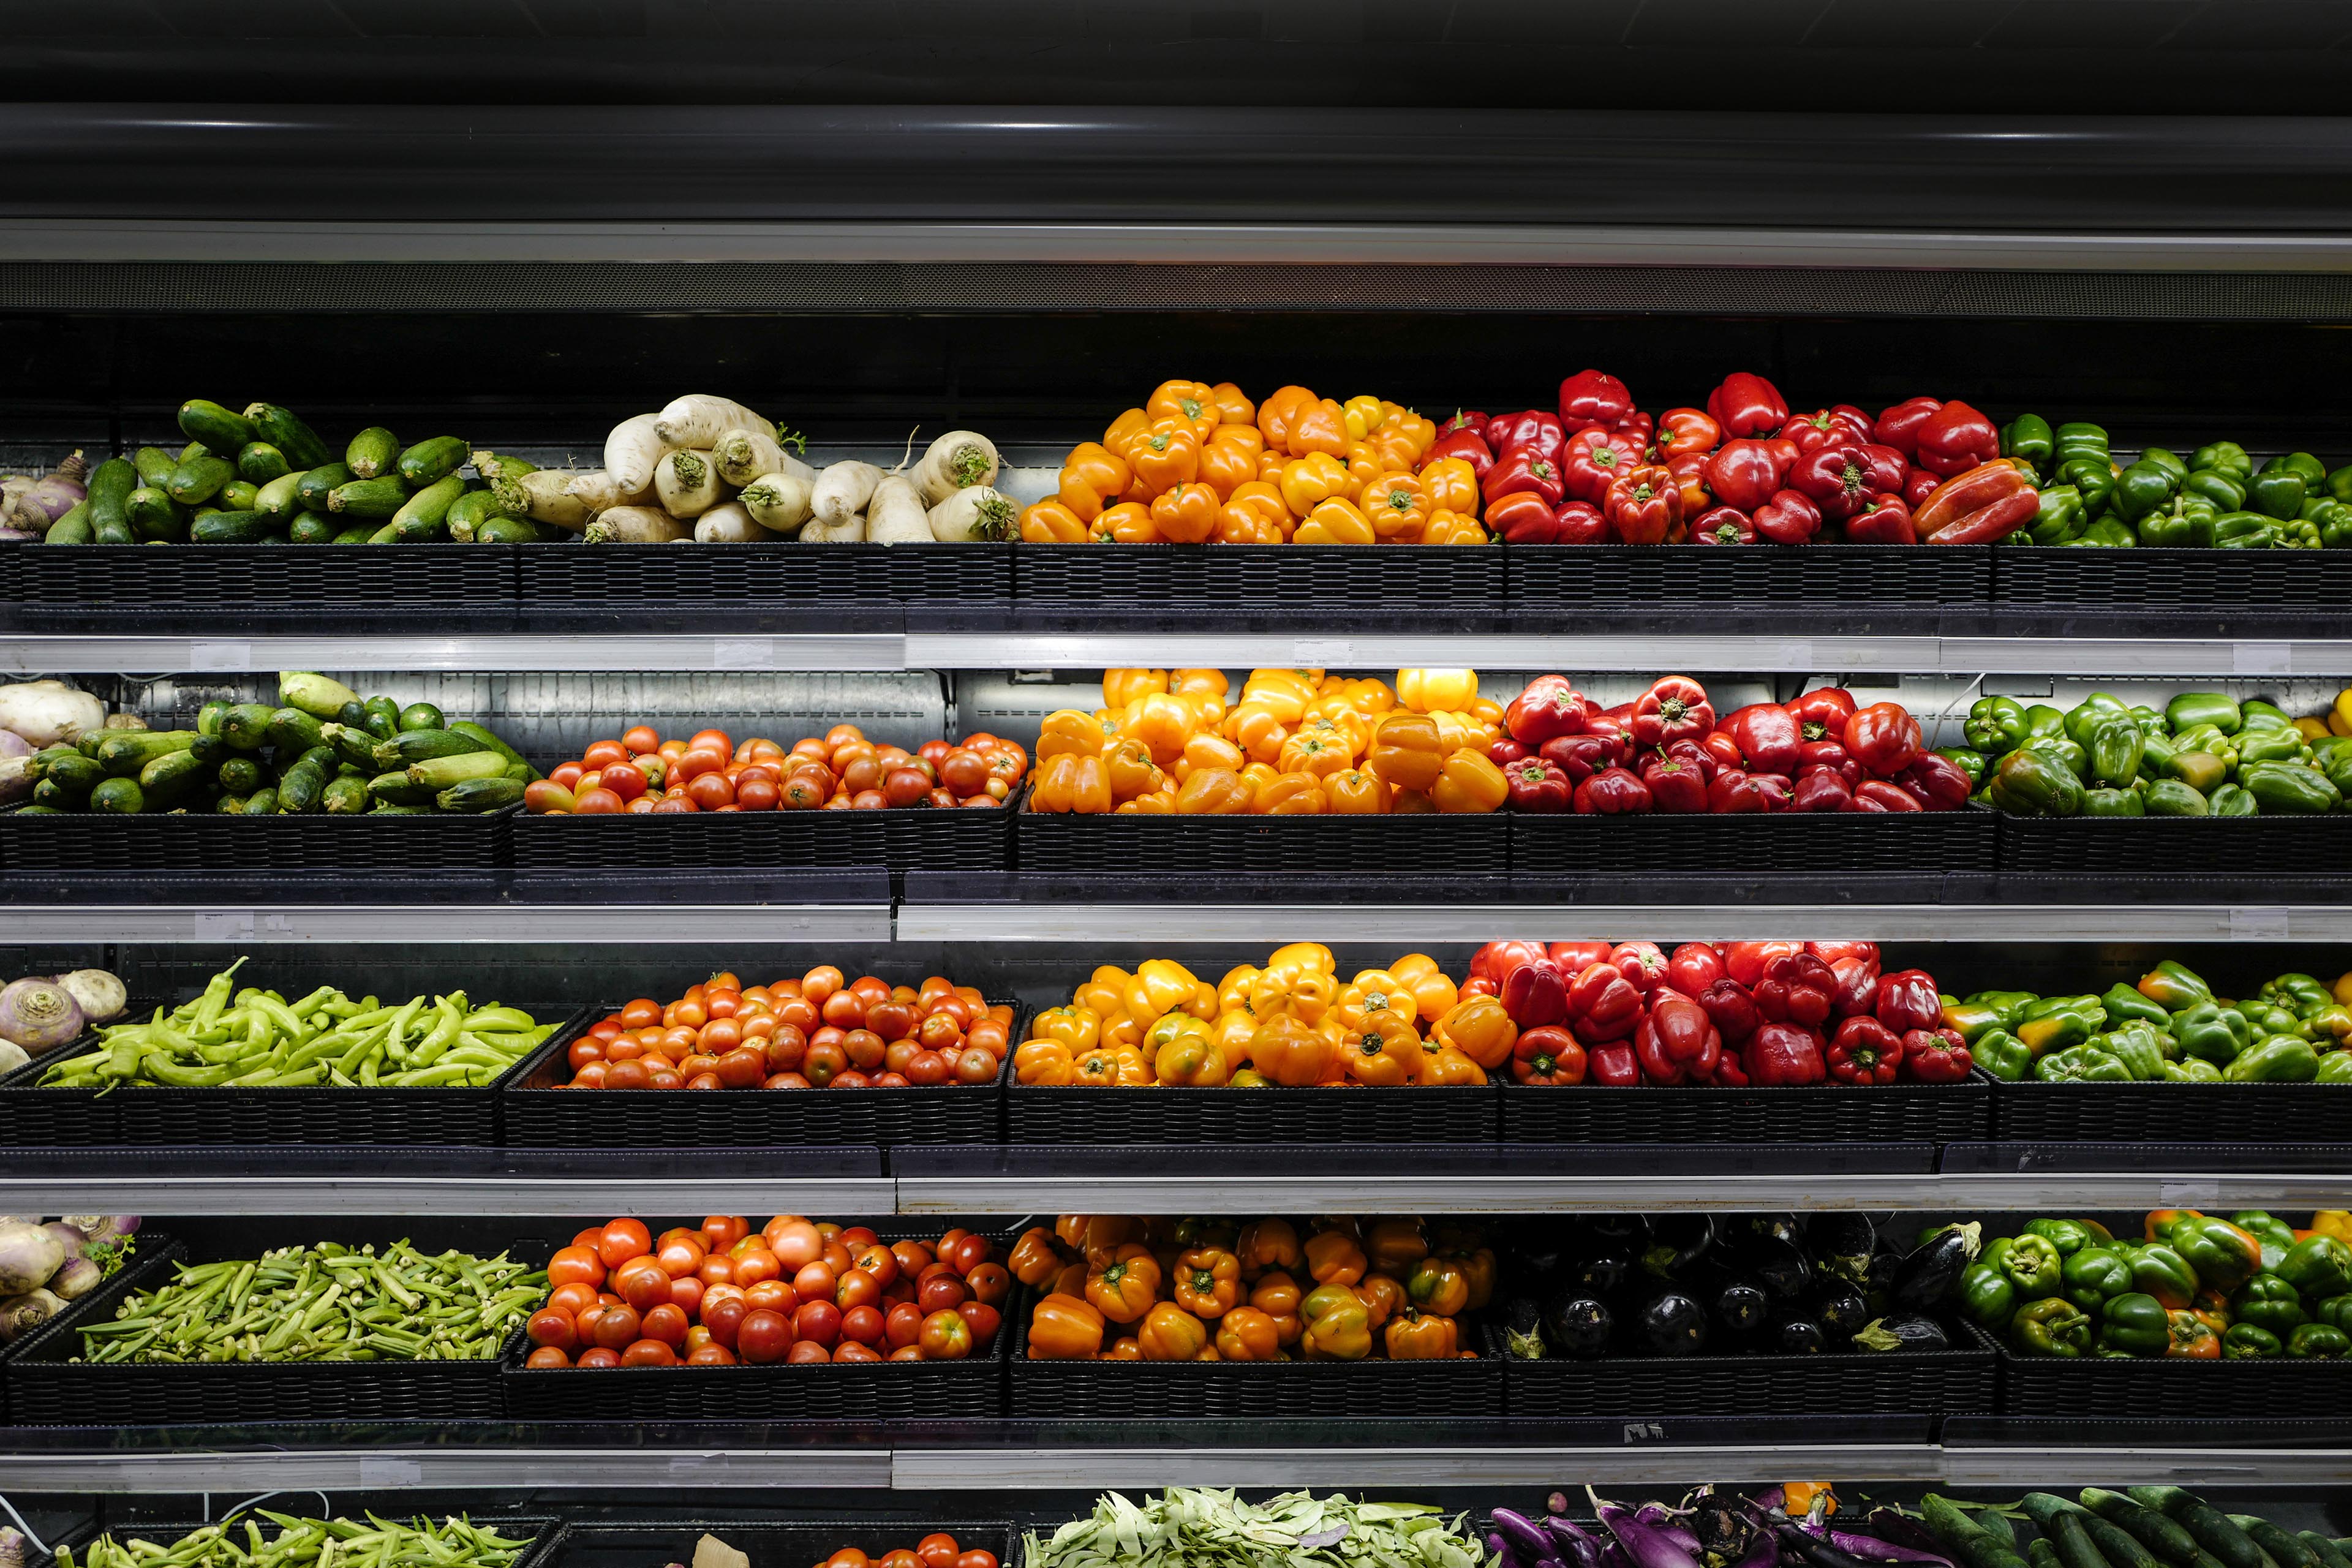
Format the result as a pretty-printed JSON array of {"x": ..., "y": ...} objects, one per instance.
[
  {"x": 2170, "y": 1027},
  {"x": 2216, "y": 499},
  {"x": 2206, "y": 754},
  {"x": 2195, "y": 1286}
]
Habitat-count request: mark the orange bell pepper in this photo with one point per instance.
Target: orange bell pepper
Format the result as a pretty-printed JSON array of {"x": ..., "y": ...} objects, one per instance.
[
  {"x": 1076, "y": 1028},
  {"x": 1246, "y": 1334},
  {"x": 1128, "y": 523},
  {"x": 1277, "y": 1295},
  {"x": 1208, "y": 1281},
  {"x": 1162, "y": 722},
  {"x": 1362, "y": 415},
  {"x": 1286, "y": 691},
  {"x": 1406, "y": 752},
  {"x": 1093, "y": 477},
  {"x": 1255, "y": 513},
  {"x": 1167, "y": 456},
  {"x": 1381, "y": 1296},
  {"x": 1438, "y": 1285},
  {"x": 1257, "y": 730},
  {"x": 1398, "y": 506},
  {"x": 1393, "y": 448},
  {"x": 1305, "y": 995},
  {"x": 1190, "y": 401},
  {"x": 1381, "y": 1051},
  {"x": 1290, "y": 1051},
  {"x": 1478, "y": 1266},
  {"x": 1203, "y": 750},
  {"x": 1334, "y": 1258},
  {"x": 1290, "y": 794},
  {"x": 1160, "y": 802},
  {"x": 1052, "y": 521},
  {"x": 1296, "y": 956},
  {"x": 1045, "y": 1062},
  {"x": 1317, "y": 426},
  {"x": 1068, "y": 731},
  {"x": 1312, "y": 480},
  {"x": 1373, "y": 992},
  {"x": 1072, "y": 784},
  {"x": 1268, "y": 1244},
  {"x": 1232, "y": 406},
  {"x": 1480, "y": 1028},
  {"x": 1364, "y": 465},
  {"x": 1199, "y": 683},
  {"x": 1121, "y": 432},
  {"x": 1469, "y": 783},
  {"x": 1453, "y": 528},
  {"x": 1128, "y": 766},
  {"x": 1319, "y": 748},
  {"x": 1172, "y": 1333},
  {"x": 1279, "y": 411},
  {"x": 1452, "y": 486},
  {"x": 1213, "y": 792},
  {"x": 1035, "y": 1258},
  {"x": 1420, "y": 429},
  {"x": 1095, "y": 1068},
  {"x": 1447, "y": 1068},
  {"x": 1187, "y": 514},
  {"x": 1225, "y": 467},
  {"x": 1124, "y": 1347},
  {"x": 1334, "y": 522},
  {"x": 1063, "y": 1327},
  {"x": 1356, "y": 793},
  {"x": 1257, "y": 776},
  {"x": 1121, "y": 687},
  {"x": 1124, "y": 1288},
  {"x": 1416, "y": 1335},
  {"x": 1158, "y": 987},
  {"x": 1394, "y": 1246},
  {"x": 1433, "y": 994}
]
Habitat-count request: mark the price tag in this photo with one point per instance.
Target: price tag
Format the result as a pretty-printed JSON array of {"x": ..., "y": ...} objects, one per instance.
[
  {"x": 2187, "y": 1194},
  {"x": 742, "y": 653},
  {"x": 2258, "y": 925},
  {"x": 390, "y": 1472},
  {"x": 1322, "y": 654},
  {"x": 1795, "y": 658},
  {"x": 237, "y": 655},
  {"x": 1645, "y": 1432},
  {"x": 2262, "y": 657},
  {"x": 224, "y": 925},
  {"x": 690, "y": 1464}
]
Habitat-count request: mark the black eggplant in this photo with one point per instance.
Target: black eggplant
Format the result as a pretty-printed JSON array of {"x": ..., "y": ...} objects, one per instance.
[
  {"x": 1578, "y": 1324},
  {"x": 1878, "y": 1278},
  {"x": 1841, "y": 1244},
  {"x": 1676, "y": 1242},
  {"x": 1600, "y": 1273},
  {"x": 1904, "y": 1331},
  {"x": 1932, "y": 1272},
  {"x": 1632, "y": 1229},
  {"x": 1723, "y": 1532},
  {"x": 1793, "y": 1333},
  {"x": 1778, "y": 1265},
  {"x": 1842, "y": 1312},
  {"x": 1668, "y": 1322},
  {"x": 1780, "y": 1227},
  {"x": 1523, "y": 1328},
  {"x": 1737, "y": 1303}
]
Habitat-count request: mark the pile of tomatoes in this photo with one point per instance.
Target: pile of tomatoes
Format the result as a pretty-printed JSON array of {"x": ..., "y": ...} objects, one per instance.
[
  {"x": 839, "y": 771},
  {"x": 816, "y": 1032},
  {"x": 791, "y": 1292},
  {"x": 938, "y": 1549}
]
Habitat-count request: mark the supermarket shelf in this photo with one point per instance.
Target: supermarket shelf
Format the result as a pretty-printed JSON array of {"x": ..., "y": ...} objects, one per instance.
[
  {"x": 949, "y": 1470},
  {"x": 491, "y": 653},
  {"x": 635, "y": 923},
  {"x": 446, "y": 1469},
  {"x": 241, "y": 1193}
]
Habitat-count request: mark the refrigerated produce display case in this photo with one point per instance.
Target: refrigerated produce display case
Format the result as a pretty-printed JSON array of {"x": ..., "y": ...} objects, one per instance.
[{"x": 1521, "y": 815}]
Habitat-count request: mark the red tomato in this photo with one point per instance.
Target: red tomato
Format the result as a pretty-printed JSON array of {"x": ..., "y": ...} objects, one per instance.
[
  {"x": 576, "y": 1263},
  {"x": 639, "y": 739},
  {"x": 547, "y": 1356},
  {"x": 598, "y": 802},
  {"x": 641, "y": 1283},
  {"x": 666, "y": 1325},
  {"x": 648, "y": 1352},
  {"x": 852, "y": 1078},
  {"x": 978, "y": 1557},
  {"x": 797, "y": 1012},
  {"x": 903, "y": 1323},
  {"x": 694, "y": 763},
  {"x": 968, "y": 1253},
  {"x": 687, "y": 1294},
  {"x": 926, "y": 1068},
  {"x": 966, "y": 773},
  {"x": 864, "y": 1049},
  {"x": 585, "y": 1050},
  {"x": 776, "y": 1294},
  {"x": 720, "y": 1231},
  {"x": 862, "y": 1323},
  {"x": 990, "y": 1282},
  {"x": 618, "y": 1327},
  {"x": 940, "y": 1292},
  {"x": 896, "y": 1055},
  {"x": 600, "y": 753},
  {"x": 819, "y": 1322},
  {"x": 763, "y": 1337},
  {"x": 902, "y": 1558},
  {"x": 823, "y": 1063},
  {"x": 572, "y": 1298},
  {"x": 543, "y": 795},
  {"x": 945, "y": 1337},
  {"x": 723, "y": 1319},
  {"x": 874, "y": 1259},
  {"x": 711, "y": 790},
  {"x": 814, "y": 1280},
  {"x": 715, "y": 740},
  {"x": 567, "y": 776},
  {"x": 974, "y": 1066},
  {"x": 844, "y": 1010},
  {"x": 856, "y": 1288},
  {"x": 757, "y": 793},
  {"x": 938, "y": 1551},
  {"x": 555, "y": 1327},
  {"x": 939, "y": 1031},
  {"x": 905, "y": 786},
  {"x": 757, "y": 1265},
  {"x": 710, "y": 1355},
  {"x": 808, "y": 1350},
  {"x": 913, "y": 1256},
  {"x": 796, "y": 1242},
  {"x": 785, "y": 1050},
  {"x": 680, "y": 1257},
  {"x": 983, "y": 1321},
  {"x": 673, "y": 805},
  {"x": 598, "y": 1358},
  {"x": 622, "y": 780},
  {"x": 741, "y": 1068}
]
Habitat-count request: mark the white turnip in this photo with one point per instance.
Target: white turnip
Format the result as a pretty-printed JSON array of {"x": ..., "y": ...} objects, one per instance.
[
  {"x": 38, "y": 1014},
  {"x": 699, "y": 418},
  {"x": 744, "y": 455},
  {"x": 20, "y": 1315},
  {"x": 895, "y": 514},
  {"x": 48, "y": 712},
  {"x": 99, "y": 994},
  {"x": 16, "y": 780},
  {"x": 842, "y": 492},
  {"x": 973, "y": 514},
  {"x": 29, "y": 1255},
  {"x": 730, "y": 524},
  {"x": 778, "y": 501},
  {"x": 687, "y": 484},
  {"x": 957, "y": 460},
  {"x": 631, "y": 452},
  {"x": 636, "y": 525}
]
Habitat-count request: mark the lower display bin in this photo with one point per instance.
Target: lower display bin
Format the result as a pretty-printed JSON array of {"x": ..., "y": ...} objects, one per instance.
[
  {"x": 147, "y": 1245},
  {"x": 1161, "y": 1113},
  {"x": 2183, "y": 592},
  {"x": 1256, "y": 1390},
  {"x": 2098, "y": 1388},
  {"x": 1852, "y": 588},
  {"x": 914, "y": 838},
  {"x": 1429, "y": 844},
  {"x": 1922, "y": 845},
  {"x": 1285, "y": 583},
  {"x": 1959, "y": 1381},
  {"x": 1820, "y": 1113},
  {"x": 2191, "y": 852},
  {"x": 2032, "y": 1111},
  {"x": 393, "y": 848},
  {"x": 767, "y": 1543},
  {"x": 142, "y": 589},
  {"x": 847, "y": 588},
  {"x": 540, "y": 1530}
]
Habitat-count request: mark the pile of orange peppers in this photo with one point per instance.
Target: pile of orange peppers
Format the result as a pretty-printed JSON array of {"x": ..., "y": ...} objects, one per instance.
[
  {"x": 1299, "y": 742},
  {"x": 1203, "y": 465},
  {"x": 1118, "y": 1287},
  {"x": 1292, "y": 1022}
]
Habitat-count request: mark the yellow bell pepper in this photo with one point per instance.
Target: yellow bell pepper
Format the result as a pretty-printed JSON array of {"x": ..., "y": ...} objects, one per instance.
[
  {"x": 1364, "y": 465},
  {"x": 2339, "y": 713},
  {"x": 1298, "y": 955},
  {"x": 1335, "y": 1257},
  {"x": 1193, "y": 402},
  {"x": 1398, "y": 506},
  {"x": 1407, "y": 752},
  {"x": 1199, "y": 683},
  {"x": 1480, "y": 1028},
  {"x": 1067, "y": 731},
  {"x": 1374, "y": 991},
  {"x": 1203, "y": 1004},
  {"x": 1356, "y": 793},
  {"x": 1447, "y": 1068},
  {"x": 1470, "y": 781},
  {"x": 2312, "y": 729},
  {"x": 1291, "y": 1051},
  {"x": 1049, "y": 521},
  {"x": 1335, "y": 520},
  {"x": 1452, "y": 485},
  {"x": 1214, "y": 791},
  {"x": 1363, "y": 415},
  {"x": 1381, "y": 1051},
  {"x": 1104, "y": 994},
  {"x": 1433, "y": 994},
  {"x": 1158, "y": 986},
  {"x": 1307, "y": 483},
  {"x": 1093, "y": 478},
  {"x": 1336, "y": 1325},
  {"x": 1290, "y": 794},
  {"x": 1079, "y": 1028},
  {"x": 2335, "y": 1223},
  {"x": 1045, "y": 1061},
  {"x": 1425, "y": 690},
  {"x": 1449, "y": 527},
  {"x": 1231, "y": 1033},
  {"x": 1185, "y": 1055},
  {"x": 1121, "y": 687},
  {"x": 1162, "y": 722},
  {"x": 1416, "y": 1335},
  {"x": 1319, "y": 749},
  {"x": 1304, "y": 995},
  {"x": 1072, "y": 784}
]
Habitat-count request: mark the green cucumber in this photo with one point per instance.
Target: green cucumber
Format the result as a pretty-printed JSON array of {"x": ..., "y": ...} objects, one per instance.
[
  {"x": 213, "y": 427},
  {"x": 1972, "y": 1544},
  {"x": 2118, "y": 1545},
  {"x": 227, "y": 805},
  {"x": 369, "y": 497},
  {"x": 2284, "y": 1550},
  {"x": 238, "y": 775},
  {"x": 171, "y": 775},
  {"x": 469, "y": 511},
  {"x": 124, "y": 752},
  {"x": 2330, "y": 1556},
  {"x": 394, "y": 789},
  {"x": 198, "y": 479},
  {"x": 371, "y": 452},
  {"x": 292, "y": 733},
  {"x": 50, "y": 795},
  {"x": 382, "y": 718},
  {"x": 353, "y": 744},
  {"x": 154, "y": 516},
  {"x": 238, "y": 496},
  {"x": 358, "y": 534},
  {"x": 506, "y": 529},
  {"x": 309, "y": 527},
  {"x": 246, "y": 725},
  {"x": 423, "y": 516},
  {"x": 350, "y": 770},
  {"x": 76, "y": 774},
  {"x": 120, "y": 797},
  {"x": 433, "y": 460},
  {"x": 209, "y": 717},
  {"x": 440, "y": 773},
  {"x": 2064, "y": 1530},
  {"x": 480, "y": 795},
  {"x": 421, "y": 716},
  {"x": 315, "y": 485},
  {"x": 2214, "y": 1533},
  {"x": 411, "y": 746},
  {"x": 299, "y": 790},
  {"x": 279, "y": 426},
  {"x": 320, "y": 696},
  {"x": 231, "y": 528},
  {"x": 344, "y": 797},
  {"x": 387, "y": 808},
  {"x": 109, "y": 496},
  {"x": 258, "y": 462},
  {"x": 262, "y": 802},
  {"x": 490, "y": 742},
  {"x": 279, "y": 499},
  {"x": 154, "y": 465},
  {"x": 73, "y": 527}
]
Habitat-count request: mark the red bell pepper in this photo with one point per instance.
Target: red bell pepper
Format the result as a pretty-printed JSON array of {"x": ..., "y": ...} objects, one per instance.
[
  {"x": 1899, "y": 426},
  {"x": 1506, "y": 751},
  {"x": 1883, "y": 738},
  {"x": 1644, "y": 507},
  {"x": 1506, "y": 432},
  {"x": 1866, "y": 1051},
  {"x": 1602, "y": 1005},
  {"x": 1612, "y": 1066},
  {"x": 1907, "y": 1000},
  {"x": 1835, "y": 952},
  {"x": 1729, "y": 1074},
  {"x": 1954, "y": 439},
  {"x": 1780, "y": 1055},
  {"x": 1733, "y": 791},
  {"x": 1683, "y": 430},
  {"x": 1722, "y": 525},
  {"x": 1982, "y": 505},
  {"x": 1683, "y": 1037},
  {"x": 1842, "y": 475},
  {"x": 1581, "y": 756},
  {"x": 1595, "y": 459},
  {"x": 1747, "y": 405},
  {"x": 1546, "y": 1057},
  {"x": 1747, "y": 960},
  {"x": 1821, "y": 789},
  {"x": 1523, "y": 469},
  {"x": 1550, "y": 705},
  {"x": 1857, "y": 986},
  {"x": 1612, "y": 792},
  {"x": 1936, "y": 1056},
  {"x": 1470, "y": 419},
  {"x": 1745, "y": 473},
  {"x": 1878, "y": 796},
  {"x": 1468, "y": 444},
  {"x": 1689, "y": 473},
  {"x": 1673, "y": 786},
  {"x": 1885, "y": 518},
  {"x": 1538, "y": 785},
  {"x": 1692, "y": 967},
  {"x": 1732, "y": 1009},
  {"x": 1658, "y": 1069},
  {"x": 1575, "y": 957},
  {"x": 1938, "y": 783},
  {"x": 1593, "y": 397},
  {"x": 1640, "y": 962},
  {"x": 1497, "y": 959},
  {"x": 1580, "y": 522},
  {"x": 1918, "y": 484},
  {"x": 1829, "y": 756},
  {"x": 1789, "y": 517},
  {"x": 1535, "y": 992},
  {"x": 1767, "y": 736},
  {"x": 1797, "y": 987},
  {"x": 1706, "y": 757},
  {"x": 1827, "y": 427},
  {"x": 1674, "y": 709},
  {"x": 1821, "y": 712}
]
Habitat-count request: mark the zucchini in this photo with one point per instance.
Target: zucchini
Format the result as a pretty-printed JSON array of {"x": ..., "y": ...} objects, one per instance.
[
  {"x": 1972, "y": 1544},
  {"x": 472, "y": 730},
  {"x": 227, "y": 805},
  {"x": 494, "y": 467},
  {"x": 320, "y": 696},
  {"x": 109, "y": 496},
  {"x": 480, "y": 795},
  {"x": 423, "y": 516},
  {"x": 369, "y": 497},
  {"x": 320, "y": 759},
  {"x": 209, "y": 717},
  {"x": 506, "y": 529},
  {"x": 394, "y": 789},
  {"x": 239, "y": 775},
  {"x": 120, "y": 797},
  {"x": 169, "y": 776},
  {"x": 351, "y": 715},
  {"x": 258, "y": 462},
  {"x": 292, "y": 733},
  {"x": 2215, "y": 1534},
  {"x": 310, "y": 528},
  {"x": 154, "y": 465},
  {"x": 154, "y": 516},
  {"x": 371, "y": 452},
  {"x": 237, "y": 496},
  {"x": 277, "y": 497},
  {"x": 382, "y": 717},
  {"x": 469, "y": 511},
  {"x": 262, "y": 802},
  {"x": 421, "y": 716},
  {"x": 2284, "y": 1550},
  {"x": 433, "y": 460},
  {"x": 359, "y": 533},
  {"x": 2329, "y": 1554},
  {"x": 2119, "y": 1546},
  {"x": 411, "y": 746},
  {"x": 299, "y": 790},
  {"x": 213, "y": 427},
  {"x": 344, "y": 796},
  {"x": 50, "y": 795},
  {"x": 353, "y": 744},
  {"x": 231, "y": 528},
  {"x": 387, "y": 808},
  {"x": 198, "y": 479},
  {"x": 246, "y": 725},
  {"x": 350, "y": 770},
  {"x": 76, "y": 775},
  {"x": 440, "y": 773},
  {"x": 313, "y": 488},
  {"x": 211, "y": 748},
  {"x": 279, "y": 426},
  {"x": 124, "y": 752},
  {"x": 87, "y": 742},
  {"x": 71, "y": 529}
]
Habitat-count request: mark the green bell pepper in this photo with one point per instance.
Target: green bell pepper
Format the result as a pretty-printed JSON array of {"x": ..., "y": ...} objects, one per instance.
[
  {"x": 2085, "y": 718},
  {"x": 2031, "y": 784},
  {"x": 2173, "y": 985},
  {"x": 2319, "y": 1340},
  {"x": 2244, "y": 530},
  {"x": 2186, "y": 521},
  {"x": 2266, "y": 1018},
  {"x": 2093, "y": 480},
  {"x": 2059, "y": 516},
  {"x": 2143, "y": 487},
  {"x": 2193, "y": 1070},
  {"x": 2079, "y": 438},
  {"x": 2278, "y": 1059},
  {"x": 2339, "y": 769},
  {"x": 1971, "y": 1020},
  {"x": 2007, "y": 1058},
  {"x": 2317, "y": 1266},
  {"x": 2334, "y": 521},
  {"x": 2115, "y": 746},
  {"x": 2222, "y": 458},
  {"x": 2124, "y": 1004},
  {"x": 2268, "y": 1303},
  {"x": 2304, "y": 994},
  {"x": 2225, "y": 492},
  {"x": 1969, "y": 761},
  {"x": 2335, "y": 1067},
  {"x": 2212, "y": 1032},
  {"x": 2189, "y": 709},
  {"x": 2052, "y": 1326},
  {"x": 2029, "y": 438},
  {"x": 2136, "y": 1045},
  {"x": 2248, "y": 1341},
  {"x": 2205, "y": 738},
  {"x": 2082, "y": 1064},
  {"x": 2135, "y": 1324},
  {"x": 2275, "y": 492},
  {"x": 1995, "y": 724},
  {"x": 2288, "y": 788},
  {"x": 2107, "y": 531},
  {"x": 2008, "y": 1006},
  {"x": 1988, "y": 1296},
  {"x": 2058, "y": 1021},
  {"x": 2275, "y": 1235},
  {"x": 2061, "y": 749},
  {"x": 2096, "y": 1276},
  {"x": 2033, "y": 1264},
  {"x": 2170, "y": 797},
  {"x": 2271, "y": 744},
  {"x": 2041, "y": 719},
  {"x": 2223, "y": 1256},
  {"x": 2228, "y": 800},
  {"x": 2303, "y": 534},
  {"x": 2106, "y": 802},
  {"x": 2339, "y": 482},
  {"x": 2314, "y": 471},
  {"x": 2259, "y": 713},
  {"x": 2068, "y": 1236},
  {"x": 2158, "y": 1269},
  {"x": 2336, "y": 1311}
]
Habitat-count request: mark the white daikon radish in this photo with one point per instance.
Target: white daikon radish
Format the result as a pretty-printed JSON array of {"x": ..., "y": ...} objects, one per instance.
[
  {"x": 743, "y": 455},
  {"x": 687, "y": 483},
  {"x": 48, "y": 712},
  {"x": 778, "y": 501},
  {"x": 957, "y": 460},
  {"x": 729, "y": 523},
  {"x": 595, "y": 490},
  {"x": 547, "y": 498},
  {"x": 842, "y": 492},
  {"x": 637, "y": 525},
  {"x": 974, "y": 513},
  {"x": 712, "y": 1552},
  {"x": 895, "y": 514},
  {"x": 699, "y": 418},
  {"x": 850, "y": 533},
  {"x": 631, "y": 451}
]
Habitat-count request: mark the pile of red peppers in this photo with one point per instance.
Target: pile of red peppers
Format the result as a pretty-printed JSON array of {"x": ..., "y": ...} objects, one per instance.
[
  {"x": 1742, "y": 470},
  {"x": 1667, "y": 751},
  {"x": 1763, "y": 1013}
]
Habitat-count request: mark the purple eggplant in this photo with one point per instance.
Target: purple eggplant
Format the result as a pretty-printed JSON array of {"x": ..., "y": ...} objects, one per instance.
[
  {"x": 1527, "y": 1539},
  {"x": 1827, "y": 1548},
  {"x": 1874, "y": 1549},
  {"x": 1575, "y": 1545},
  {"x": 1898, "y": 1529},
  {"x": 1645, "y": 1546},
  {"x": 1502, "y": 1549}
]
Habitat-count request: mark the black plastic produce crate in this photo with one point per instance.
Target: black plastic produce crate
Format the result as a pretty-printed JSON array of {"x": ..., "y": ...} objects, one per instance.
[
  {"x": 2032, "y": 1112},
  {"x": 1959, "y": 1381},
  {"x": 1883, "y": 584},
  {"x": 101, "y": 1299},
  {"x": 877, "y": 581},
  {"x": 540, "y": 1113},
  {"x": 1289, "y": 583},
  {"x": 542, "y": 1531},
  {"x": 1423, "y": 844},
  {"x": 1256, "y": 1390},
  {"x": 1922, "y": 845},
  {"x": 2098, "y": 1388},
  {"x": 147, "y": 1118},
  {"x": 147, "y": 587},
  {"x": 768, "y": 1543},
  {"x": 2185, "y": 851},
  {"x": 393, "y": 849},
  {"x": 913, "y": 838},
  {"x": 1813, "y": 1113},
  {"x": 2178, "y": 591},
  {"x": 47, "y": 1388},
  {"x": 1165, "y": 1113}
]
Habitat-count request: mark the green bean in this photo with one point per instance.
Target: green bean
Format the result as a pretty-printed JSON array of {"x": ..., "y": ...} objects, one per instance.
[{"x": 455, "y": 1543}]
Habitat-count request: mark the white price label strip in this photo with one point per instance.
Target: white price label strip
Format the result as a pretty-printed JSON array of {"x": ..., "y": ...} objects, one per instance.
[
  {"x": 2262, "y": 658},
  {"x": 742, "y": 653},
  {"x": 224, "y": 925},
  {"x": 2187, "y": 1194},
  {"x": 2258, "y": 925},
  {"x": 233, "y": 656},
  {"x": 1322, "y": 654},
  {"x": 390, "y": 1472}
]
